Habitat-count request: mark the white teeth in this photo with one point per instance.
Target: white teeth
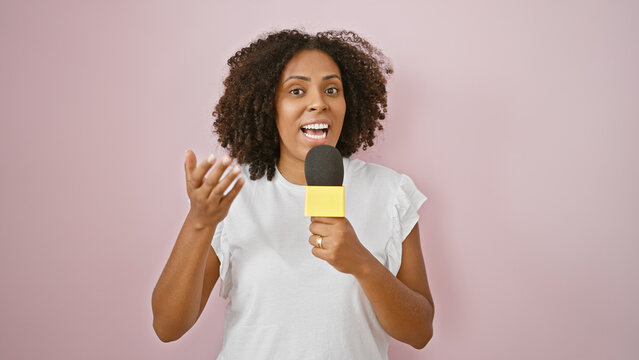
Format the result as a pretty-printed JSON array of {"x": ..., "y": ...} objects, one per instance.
[
  {"x": 315, "y": 136},
  {"x": 315, "y": 126}
]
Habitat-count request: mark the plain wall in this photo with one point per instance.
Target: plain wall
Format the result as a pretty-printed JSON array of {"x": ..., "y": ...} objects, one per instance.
[{"x": 517, "y": 119}]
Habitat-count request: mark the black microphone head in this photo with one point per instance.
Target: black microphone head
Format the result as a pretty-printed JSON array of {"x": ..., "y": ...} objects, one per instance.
[{"x": 323, "y": 166}]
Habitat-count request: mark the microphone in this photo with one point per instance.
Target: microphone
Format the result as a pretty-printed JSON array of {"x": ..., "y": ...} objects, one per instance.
[{"x": 324, "y": 172}]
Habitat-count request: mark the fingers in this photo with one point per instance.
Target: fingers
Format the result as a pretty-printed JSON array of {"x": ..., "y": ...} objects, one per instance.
[
  {"x": 212, "y": 179},
  {"x": 320, "y": 229},
  {"x": 325, "y": 220},
  {"x": 228, "y": 198},
  {"x": 195, "y": 175},
  {"x": 210, "y": 185},
  {"x": 314, "y": 239},
  {"x": 318, "y": 251},
  {"x": 218, "y": 190},
  {"x": 189, "y": 164}
]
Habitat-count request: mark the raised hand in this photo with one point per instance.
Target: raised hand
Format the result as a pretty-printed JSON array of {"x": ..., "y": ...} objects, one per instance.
[{"x": 209, "y": 205}]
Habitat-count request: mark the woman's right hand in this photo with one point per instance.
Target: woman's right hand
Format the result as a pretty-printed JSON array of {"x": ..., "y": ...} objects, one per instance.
[{"x": 209, "y": 205}]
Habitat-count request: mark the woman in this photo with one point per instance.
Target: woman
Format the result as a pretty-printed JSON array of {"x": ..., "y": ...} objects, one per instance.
[{"x": 363, "y": 280}]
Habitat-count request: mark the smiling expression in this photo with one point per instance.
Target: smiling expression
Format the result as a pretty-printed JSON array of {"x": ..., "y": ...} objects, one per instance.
[{"x": 309, "y": 103}]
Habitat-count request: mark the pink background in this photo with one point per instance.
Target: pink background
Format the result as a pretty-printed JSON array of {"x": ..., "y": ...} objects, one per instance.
[{"x": 518, "y": 120}]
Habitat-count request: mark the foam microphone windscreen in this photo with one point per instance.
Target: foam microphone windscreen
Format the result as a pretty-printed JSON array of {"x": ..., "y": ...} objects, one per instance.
[{"x": 323, "y": 166}]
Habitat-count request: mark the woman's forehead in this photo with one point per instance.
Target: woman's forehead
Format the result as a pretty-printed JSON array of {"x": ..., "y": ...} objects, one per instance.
[{"x": 312, "y": 64}]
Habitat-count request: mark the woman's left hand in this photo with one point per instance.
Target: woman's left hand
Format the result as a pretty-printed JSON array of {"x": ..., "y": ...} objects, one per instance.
[{"x": 340, "y": 246}]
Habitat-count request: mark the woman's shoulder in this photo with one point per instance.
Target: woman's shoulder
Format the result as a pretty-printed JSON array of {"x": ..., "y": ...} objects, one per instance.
[{"x": 359, "y": 170}]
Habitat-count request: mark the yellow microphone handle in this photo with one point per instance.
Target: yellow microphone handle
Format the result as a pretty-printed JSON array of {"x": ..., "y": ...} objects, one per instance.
[{"x": 324, "y": 201}]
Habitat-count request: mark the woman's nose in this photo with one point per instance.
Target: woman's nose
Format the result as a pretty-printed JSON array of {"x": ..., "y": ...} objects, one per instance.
[{"x": 317, "y": 103}]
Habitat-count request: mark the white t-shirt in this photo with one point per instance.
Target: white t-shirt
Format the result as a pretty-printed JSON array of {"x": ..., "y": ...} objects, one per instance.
[{"x": 285, "y": 303}]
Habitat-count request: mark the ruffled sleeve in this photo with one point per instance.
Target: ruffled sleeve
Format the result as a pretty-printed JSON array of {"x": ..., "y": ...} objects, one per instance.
[
  {"x": 407, "y": 201},
  {"x": 221, "y": 246}
]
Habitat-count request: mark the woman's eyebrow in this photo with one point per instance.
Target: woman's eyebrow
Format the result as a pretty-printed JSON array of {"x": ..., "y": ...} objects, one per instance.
[{"x": 305, "y": 78}]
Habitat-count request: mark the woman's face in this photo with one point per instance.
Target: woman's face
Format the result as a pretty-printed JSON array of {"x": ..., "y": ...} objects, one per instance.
[{"x": 310, "y": 94}]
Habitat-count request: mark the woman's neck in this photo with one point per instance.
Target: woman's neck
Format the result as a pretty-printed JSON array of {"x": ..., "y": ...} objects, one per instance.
[{"x": 292, "y": 170}]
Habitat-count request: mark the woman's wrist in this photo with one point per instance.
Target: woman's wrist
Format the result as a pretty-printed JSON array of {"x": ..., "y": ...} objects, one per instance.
[
  {"x": 197, "y": 225},
  {"x": 367, "y": 266}
]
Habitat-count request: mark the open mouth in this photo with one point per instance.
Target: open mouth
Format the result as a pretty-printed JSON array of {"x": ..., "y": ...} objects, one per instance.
[{"x": 315, "y": 131}]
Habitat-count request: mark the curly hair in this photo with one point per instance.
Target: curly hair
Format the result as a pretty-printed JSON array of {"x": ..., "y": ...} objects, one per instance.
[{"x": 245, "y": 114}]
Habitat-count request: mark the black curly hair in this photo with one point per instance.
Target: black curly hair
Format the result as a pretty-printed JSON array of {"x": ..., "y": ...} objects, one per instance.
[{"x": 245, "y": 113}]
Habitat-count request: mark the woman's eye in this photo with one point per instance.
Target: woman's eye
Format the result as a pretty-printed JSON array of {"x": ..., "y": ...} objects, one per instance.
[
  {"x": 296, "y": 91},
  {"x": 332, "y": 91}
]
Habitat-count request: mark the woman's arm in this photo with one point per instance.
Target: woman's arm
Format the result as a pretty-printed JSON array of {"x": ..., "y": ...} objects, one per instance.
[
  {"x": 192, "y": 269},
  {"x": 403, "y": 304},
  {"x": 177, "y": 297}
]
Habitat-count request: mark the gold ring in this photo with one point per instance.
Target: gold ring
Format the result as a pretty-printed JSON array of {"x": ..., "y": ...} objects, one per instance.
[{"x": 319, "y": 241}]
